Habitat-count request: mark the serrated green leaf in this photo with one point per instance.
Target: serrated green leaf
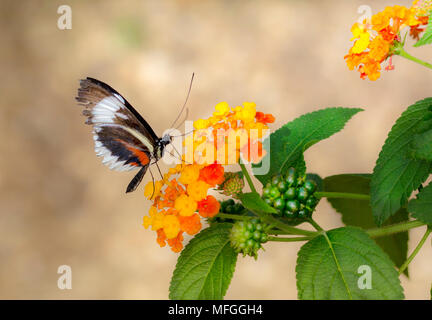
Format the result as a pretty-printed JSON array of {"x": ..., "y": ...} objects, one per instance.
[
  {"x": 427, "y": 36},
  {"x": 421, "y": 207},
  {"x": 288, "y": 143},
  {"x": 205, "y": 267},
  {"x": 254, "y": 203},
  {"x": 358, "y": 213},
  {"x": 328, "y": 268},
  {"x": 422, "y": 146},
  {"x": 395, "y": 174}
]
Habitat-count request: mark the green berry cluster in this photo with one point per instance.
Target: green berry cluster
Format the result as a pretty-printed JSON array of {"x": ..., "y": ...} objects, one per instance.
[
  {"x": 230, "y": 206},
  {"x": 247, "y": 236},
  {"x": 291, "y": 194},
  {"x": 227, "y": 206}
]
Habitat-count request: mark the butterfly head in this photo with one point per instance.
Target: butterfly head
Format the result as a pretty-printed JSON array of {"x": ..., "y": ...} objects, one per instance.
[
  {"x": 162, "y": 143},
  {"x": 166, "y": 139}
]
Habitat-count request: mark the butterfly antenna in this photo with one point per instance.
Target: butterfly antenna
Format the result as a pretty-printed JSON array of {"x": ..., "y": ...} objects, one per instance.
[
  {"x": 184, "y": 105},
  {"x": 185, "y": 117},
  {"x": 184, "y": 134}
]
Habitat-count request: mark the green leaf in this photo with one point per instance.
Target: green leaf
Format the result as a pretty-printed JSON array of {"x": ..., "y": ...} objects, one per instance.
[
  {"x": 288, "y": 143},
  {"x": 254, "y": 203},
  {"x": 395, "y": 174},
  {"x": 421, "y": 207},
  {"x": 422, "y": 146},
  {"x": 206, "y": 265},
  {"x": 358, "y": 213},
  {"x": 330, "y": 267},
  {"x": 427, "y": 36}
]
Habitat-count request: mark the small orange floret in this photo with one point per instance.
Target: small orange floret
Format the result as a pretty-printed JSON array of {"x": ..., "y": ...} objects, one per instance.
[
  {"x": 212, "y": 174},
  {"x": 191, "y": 225},
  {"x": 208, "y": 207}
]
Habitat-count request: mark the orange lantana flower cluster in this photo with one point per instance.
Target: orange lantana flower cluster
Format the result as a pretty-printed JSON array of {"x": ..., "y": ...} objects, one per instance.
[
  {"x": 374, "y": 40},
  {"x": 231, "y": 131},
  {"x": 180, "y": 200}
]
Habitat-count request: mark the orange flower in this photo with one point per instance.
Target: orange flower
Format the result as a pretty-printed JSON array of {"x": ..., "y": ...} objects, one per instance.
[
  {"x": 374, "y": 41},
  {"x": 191, "y": 225},
  {"x": 264, "y": 118},
  {"x": 174, "y": 208},
  {"x": 212, "y": 174},
  {"x": 208, "y": 207}
]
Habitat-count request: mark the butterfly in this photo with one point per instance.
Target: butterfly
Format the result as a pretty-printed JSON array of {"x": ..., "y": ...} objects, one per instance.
[{"x": 121, "y": 135}]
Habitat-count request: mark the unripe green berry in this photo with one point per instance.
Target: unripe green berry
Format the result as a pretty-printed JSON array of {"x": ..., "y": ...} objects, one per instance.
[
  {"x": 290, "y": 194},
  {"x": 275, "y": 180},
  {"x": 302, "y": 214},
  {"x": 302, "y": 194},
  {"x": 268, "y": 201},
  {"x": 229, "y": 209},
  {"x": 250, "y": 226},
  {"x": 266, "y": 192},
  {"x": 310, "y": 186},
  {"x": 257, "y": 235},
  {"x": 291, "y": 180},
  {"x": 274, "y": 192},
  {"x": 282, "y": 186},
  {"x": 293, "y": 205},
  {"x": 279, "y": 203},
  {"x": 289, "y": 214},
  {"x": 311, "y": 202}
]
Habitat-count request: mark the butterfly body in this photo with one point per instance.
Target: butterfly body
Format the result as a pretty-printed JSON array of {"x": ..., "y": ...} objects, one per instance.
[{"x": 122, "y": 137}]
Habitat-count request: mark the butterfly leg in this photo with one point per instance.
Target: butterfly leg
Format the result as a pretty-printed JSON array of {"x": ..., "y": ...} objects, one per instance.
[{"x": 159, "y": 170}]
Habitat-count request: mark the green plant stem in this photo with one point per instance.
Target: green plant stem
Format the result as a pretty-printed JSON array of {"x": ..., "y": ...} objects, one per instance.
[
  {"x": 416, "y": 250},
  {"x": 401, "y": 52},
  {"x": 248, "y": 178},
  {"x": 286, "y": 228},
  {"x": 394, "y": 228},
  {"x": 355, "y": 196},
  {"x": 293, "y": 239},
  {"x": 232, "y": 216},
  {"x": 315, "y": 225}
]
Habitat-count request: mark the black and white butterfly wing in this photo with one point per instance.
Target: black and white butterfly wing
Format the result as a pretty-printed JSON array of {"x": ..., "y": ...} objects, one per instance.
[{"x": 122, "y": 137}]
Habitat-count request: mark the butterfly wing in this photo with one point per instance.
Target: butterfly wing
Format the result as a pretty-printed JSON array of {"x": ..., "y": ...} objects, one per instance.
[{"x": 122, "y": 137}]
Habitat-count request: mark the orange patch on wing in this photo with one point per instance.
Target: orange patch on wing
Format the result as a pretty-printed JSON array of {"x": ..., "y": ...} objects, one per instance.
[{"x": 141, "y": 155}]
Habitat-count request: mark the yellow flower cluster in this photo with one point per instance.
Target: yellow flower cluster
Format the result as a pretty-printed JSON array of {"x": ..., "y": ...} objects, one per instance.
[
  {"x": 374, "y": 40},
  {"x": 228, "y": 133}
]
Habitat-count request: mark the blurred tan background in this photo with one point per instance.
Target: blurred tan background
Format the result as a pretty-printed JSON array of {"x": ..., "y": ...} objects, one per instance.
[{"x": 60, "y": 205}]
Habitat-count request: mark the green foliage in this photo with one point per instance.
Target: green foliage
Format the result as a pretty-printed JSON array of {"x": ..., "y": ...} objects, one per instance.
[
  {"x": 359, "y": 213},
  {"x": 427, "y": 36},
  {"x": 254, "y": 203},
  {"x": 395, "y": 174},
  {"x": 205, "y": 266},
  {"x": 288, "y": 143},
  {"x": 421, "y": 207},
  {"x": 328, "y": 267},
  {"x": 422, "y": 146}
]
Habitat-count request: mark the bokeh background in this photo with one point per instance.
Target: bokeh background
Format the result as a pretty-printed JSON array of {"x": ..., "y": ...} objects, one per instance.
[{"x": 60, "y": 205}]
